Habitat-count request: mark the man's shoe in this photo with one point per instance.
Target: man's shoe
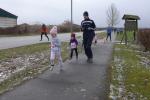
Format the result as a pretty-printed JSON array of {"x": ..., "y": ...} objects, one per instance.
[
  {"x": 77, "y": 58},
  {"x": 90, "y": 60}
]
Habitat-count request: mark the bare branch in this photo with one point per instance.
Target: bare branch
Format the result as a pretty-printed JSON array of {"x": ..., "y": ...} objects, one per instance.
[{"x": 112, "y": 15}]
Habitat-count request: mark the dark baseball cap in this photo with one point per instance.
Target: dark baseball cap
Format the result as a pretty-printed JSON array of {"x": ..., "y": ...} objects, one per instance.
[{"x": 85, "y": 13}]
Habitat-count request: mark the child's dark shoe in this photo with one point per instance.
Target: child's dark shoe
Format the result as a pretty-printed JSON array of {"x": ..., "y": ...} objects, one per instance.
[{"x": 51, "y": 67}]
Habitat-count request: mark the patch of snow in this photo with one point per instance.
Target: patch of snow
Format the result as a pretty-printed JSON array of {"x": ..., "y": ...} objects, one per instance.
[
  {"x": 14, "y": 65},
  {"x": 119, "y": 92}
]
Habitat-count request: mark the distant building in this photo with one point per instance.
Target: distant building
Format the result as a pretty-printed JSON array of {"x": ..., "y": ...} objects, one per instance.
[{"x": 7, "y": 19}]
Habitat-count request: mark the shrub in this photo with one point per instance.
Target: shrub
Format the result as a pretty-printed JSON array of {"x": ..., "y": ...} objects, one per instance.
[
  {"x": 144, "y": 38},
  {"x": 20, "y": 30},
  {"x": 66, "y": 25},
  {"x": 26, "y": 29}
]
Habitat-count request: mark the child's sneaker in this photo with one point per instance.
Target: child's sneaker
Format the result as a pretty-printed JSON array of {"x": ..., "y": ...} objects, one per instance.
[
  {"x": 51, "y": 67},
  {"x": 61, "y": 67},
  {"x": 70, "y": 60}
]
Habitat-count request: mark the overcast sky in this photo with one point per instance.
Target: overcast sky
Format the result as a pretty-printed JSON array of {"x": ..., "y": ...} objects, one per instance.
[{"x": 56, "y": 11}]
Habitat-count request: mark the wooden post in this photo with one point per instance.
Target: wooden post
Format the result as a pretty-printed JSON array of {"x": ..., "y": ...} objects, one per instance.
[
  {"x": 136, "y": 32},
  {"x": 126, "y": 40},
  {"x": 134, "y": 35}
]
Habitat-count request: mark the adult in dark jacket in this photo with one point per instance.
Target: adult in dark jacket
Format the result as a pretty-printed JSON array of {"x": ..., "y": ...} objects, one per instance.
[{"x": 88, "y": 27}]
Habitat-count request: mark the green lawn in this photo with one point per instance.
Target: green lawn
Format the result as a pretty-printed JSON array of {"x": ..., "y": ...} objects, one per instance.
[
  {"x": 101, "y": 35},
  {"x": 19, "y": 51},
  {"x": 129, "y": 36},
  {"x": 128, "y": 72}
]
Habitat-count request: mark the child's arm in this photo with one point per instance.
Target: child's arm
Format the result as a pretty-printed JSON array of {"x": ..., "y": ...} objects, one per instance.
[{"x": 76, "y": 42}]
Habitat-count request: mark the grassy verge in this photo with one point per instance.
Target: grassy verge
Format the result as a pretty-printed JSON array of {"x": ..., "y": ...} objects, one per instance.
[
  {"x": 129, "y": 36},
  {"x": 101, "y": 35},
  {"x": 30, "y": 72},
  {"x": 19, "y": 51},
  {"x": 130, "y": 78},
  {"x": 20, "y": 77}
]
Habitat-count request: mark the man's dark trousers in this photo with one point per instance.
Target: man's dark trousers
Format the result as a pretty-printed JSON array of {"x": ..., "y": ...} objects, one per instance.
[{"x": 87, "y": 42}]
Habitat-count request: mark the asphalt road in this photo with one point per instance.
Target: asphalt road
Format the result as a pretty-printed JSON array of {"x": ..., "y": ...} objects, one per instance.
[{"x": 11, "y": 42}]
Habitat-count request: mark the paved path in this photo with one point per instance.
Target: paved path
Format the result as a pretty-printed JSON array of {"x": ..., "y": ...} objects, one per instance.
[{"x": 78, "y": 81}]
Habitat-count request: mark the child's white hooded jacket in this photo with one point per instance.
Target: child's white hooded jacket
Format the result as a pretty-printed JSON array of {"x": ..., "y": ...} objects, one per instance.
[{"x": 55, "y": 44}]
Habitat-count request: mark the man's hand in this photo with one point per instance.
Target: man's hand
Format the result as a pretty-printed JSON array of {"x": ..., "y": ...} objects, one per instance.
[{"x": 91, "y": 29}]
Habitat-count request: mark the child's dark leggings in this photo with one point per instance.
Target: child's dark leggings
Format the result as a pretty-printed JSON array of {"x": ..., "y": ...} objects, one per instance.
[
  {"x": 76, "y": 51},
  {"x": 43, "y": 33}
]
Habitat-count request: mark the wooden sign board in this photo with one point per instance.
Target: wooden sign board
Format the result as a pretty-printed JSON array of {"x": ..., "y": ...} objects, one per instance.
[{"x": 131, "y": 25}]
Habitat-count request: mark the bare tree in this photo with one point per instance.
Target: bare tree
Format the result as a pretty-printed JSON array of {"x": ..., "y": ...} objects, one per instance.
[{"x": 112, "y": 15}]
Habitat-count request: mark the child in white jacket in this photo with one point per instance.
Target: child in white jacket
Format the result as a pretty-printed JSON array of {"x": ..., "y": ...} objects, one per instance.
[{"x": 55, "y": 48}]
